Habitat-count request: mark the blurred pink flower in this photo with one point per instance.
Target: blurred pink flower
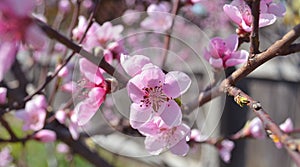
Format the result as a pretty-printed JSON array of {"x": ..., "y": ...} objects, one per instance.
[
  {"x": 62, "y": 148},
  {"x": 97, "y": 36},
  {"x": 131, "y": 16},
  {"x": 73, "y": 125},
  {"x": 78, "y": 31},
  {"x": 63, "y": 72},
  {"x": 133, "y": 65},
  {"x": 5, "y": 157},
  {"x": 96, "y": 85},
  {"x": 69, "y": 87},
  {"x": 64, "y": 6},
  {"x": 195, "y": 135},
  {"x": 153, "y": 93},
  {"x": 16, "y": 26},
  {"x": 45, "y": 136},
  {"x": 222, "y": 53},
  {"x": 113, "y": 51},
  {"x": 34, "y": 113},
  {"x": 158, "y": 17},
  {"x": 3, "y": 94},
  {"x": 287, "y": 126},
  {"x": 240, "y": 13},
  {"x": 268, "y": 6},
  {"x": 61, "y": 116},
  {"x": 160, "y": 137},
  {"x": 257, "y": 129},
  {"x": 225, "y": 148}
]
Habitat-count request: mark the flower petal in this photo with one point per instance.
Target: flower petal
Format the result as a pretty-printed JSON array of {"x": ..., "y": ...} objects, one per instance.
[
  {"x": 181, "y": 148},
  {"x": 232, "y": 42},
  {"x": 266, "y": 19},
  {"x": 90, "y": 71},
  {"x": 277, "y": 9},
  {"x": 152, "y": 77},
  {"x": 238, "y": 57},
  {"x": 134, "y": 88},
  {"x": 176, "y": 83},
  {"x": 139, "y": 115},
  {"x": 216, "y": 63},
  {"x": 133, "y": 64},
  {"x": 8, "y": 52},
  {"x": 171, "y": 114},
  {"x": 233, "y": 13},
  {"x": 154, "y": 145}
]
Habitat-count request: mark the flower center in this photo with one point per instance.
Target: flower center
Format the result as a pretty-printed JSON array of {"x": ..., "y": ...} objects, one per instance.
[{"x": 154, "y": 96}]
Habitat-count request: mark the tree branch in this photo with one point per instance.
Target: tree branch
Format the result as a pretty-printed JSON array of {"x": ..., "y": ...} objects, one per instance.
[
  {"x": 254, "y": 37},
  {"x": 175, "y": 8},
  {"x": 99, "y": 61},
  {"x": 279, "y": 47},
  {"x": 243, "y": 99}
]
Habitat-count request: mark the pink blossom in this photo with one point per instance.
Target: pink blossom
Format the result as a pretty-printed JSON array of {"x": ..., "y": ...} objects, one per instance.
[
  {"x": 161, "y": 137},
  {"x": 113, "y": 51},
  {"x": 78, "y": 31},
  {"x": 64, "y": 6},
  {"x": 133, "y": 64},
  {"x": 225, "y": 148},
  {"x": 34, "y": 113},
  {"x": 45, "y": 136},
  {"x": 62, "y": 148},
  {"x": 158, "y": 19},
  {"x": 102, "y": 35},
  {"x": 3, "y": 94},
  {"x": 131, "y": 16},
  {"x": 16, "y": 26},
  {"x": 8, "y": 52},
  {"x": 195, "y": 135},
  {"x": 268, "y": 6},
  {"x": 240, "y": 13},
  {"x": 73, "y": 125},
  {"x": 97, "y": 36},
  {"x": 5, "y": 157},
  {"x": 153, "y": 93},
  {"x": 222, "y": 53},
  {"x": 63, "y": 72},
  {"x": 256, "y": 128},
  {"x": 69, "y": 86},
  {"x": 287, "y": 126},
  {"x": 96, "y": 84},
  {"x": 61, "y": 116}
]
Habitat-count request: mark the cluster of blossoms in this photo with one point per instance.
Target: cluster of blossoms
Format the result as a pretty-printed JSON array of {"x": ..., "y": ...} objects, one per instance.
[
  {"x": 16, "y": 26},
  {"x": 240, "y": 13},
  {"x": 34, "y": 116},
  {"x": 106, "y": 38},
  {"x": 154, "y": 111}
]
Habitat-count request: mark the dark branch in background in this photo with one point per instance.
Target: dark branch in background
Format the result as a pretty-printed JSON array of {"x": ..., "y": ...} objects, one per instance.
[
  {"x": 8, "y": 128},
  {"x": 99, "y": 61},
  {"x": 175, "y": 8},
  {"x": 254, "y": 37},
  {"x": 77, "y": 146}
]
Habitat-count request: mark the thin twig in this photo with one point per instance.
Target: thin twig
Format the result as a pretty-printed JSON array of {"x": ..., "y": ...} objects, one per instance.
[
  {"x": 8, "y": 128},
  {"x": 243, "y": 99},
  {"x": 175, "y": 8}
]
